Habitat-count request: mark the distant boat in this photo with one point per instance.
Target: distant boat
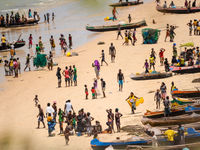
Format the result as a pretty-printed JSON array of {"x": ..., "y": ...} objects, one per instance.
[
  {"x": 17, "y": 44},
  {"x": 178, "y": 10},
  {"x": 186, "y": 69},
  {"x": 150, "y": 76},
  {"x": 105, "y": 28},
  {"x": 126, "y": 3}
]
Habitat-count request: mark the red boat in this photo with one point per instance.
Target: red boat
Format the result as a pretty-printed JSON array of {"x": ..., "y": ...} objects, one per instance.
[
  {"x": 186, "y": 69},
  {"x": 186, "y": 94}
]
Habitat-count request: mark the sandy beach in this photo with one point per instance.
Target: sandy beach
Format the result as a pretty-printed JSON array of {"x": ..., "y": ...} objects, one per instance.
[{"x": 18, "y": 115}]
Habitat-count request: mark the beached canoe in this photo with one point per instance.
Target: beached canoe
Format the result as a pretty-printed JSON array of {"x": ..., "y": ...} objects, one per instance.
[
  {"x": 186, "y": 69},
  {"x": 186, "y": 94},
  {"x": 17, "y": 44},
  {"x": 115, "y": 27},
  {"x": 149, "y": 76},
  {"x": 120, "y": 144},
  {"x": 164, "y": 121},
  {"x": 178, "y": 10},
  {"x": 29, "y": 22},
  {"x": 126, "y": 3}
]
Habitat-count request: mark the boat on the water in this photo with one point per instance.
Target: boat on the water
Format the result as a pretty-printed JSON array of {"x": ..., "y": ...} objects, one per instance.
[
  {"x": 28, "y": 22},
  {"x": 178, "y": 10},
  {"x": 115, "y": 27},
  {"x": 18, "y": 44},
  {"x": 186, "y": 69},
  {"x": 186, "y": 94},
  {"x": 149, "y": 76},
  {"x": 119, "y": 144},
  {"x": 126, "y": 3},
  {"x": 176, "y": 120}
]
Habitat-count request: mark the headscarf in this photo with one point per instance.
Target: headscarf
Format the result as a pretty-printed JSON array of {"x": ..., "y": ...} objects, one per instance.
[{"x": 96, "y": 63}]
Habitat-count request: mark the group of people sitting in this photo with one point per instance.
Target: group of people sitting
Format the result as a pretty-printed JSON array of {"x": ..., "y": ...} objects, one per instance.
[
  {"x": 187, "y": 4},
  {"x": 16, "y": 18}
]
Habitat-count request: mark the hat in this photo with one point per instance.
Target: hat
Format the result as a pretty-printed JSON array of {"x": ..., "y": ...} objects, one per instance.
[{"x": 174, "y": 44}]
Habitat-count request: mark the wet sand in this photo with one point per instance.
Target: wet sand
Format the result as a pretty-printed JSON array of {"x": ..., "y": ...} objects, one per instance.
[{"x": 17, "y": 109}]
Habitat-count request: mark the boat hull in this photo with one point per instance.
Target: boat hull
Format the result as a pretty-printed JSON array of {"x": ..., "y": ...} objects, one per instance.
[
  {"x": 17, "y": 44},
  {"x": 186, "y": 94},
  {"x": 125, "y": 4},
  {"x": 22, "y": 24},
  {"x": 151, "y": 76},
  {"x": 178, "y": 10}
]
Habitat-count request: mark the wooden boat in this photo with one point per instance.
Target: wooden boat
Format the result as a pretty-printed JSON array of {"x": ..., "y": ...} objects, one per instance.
[
  {"x": 178, "y": 10},
  {"x": 29, "y": 22},
  {"x": 17, "y": 44},
  {"x": 120, "y": 144},
  {"x": 115, "y": 27},
  {"x": 186, "y": 69},
  {"x": 149, "y": 76},
  {"x": 126, "y": 3},
  {"x": 181, "y": 119},
  {"x": 186, "y": 94}
]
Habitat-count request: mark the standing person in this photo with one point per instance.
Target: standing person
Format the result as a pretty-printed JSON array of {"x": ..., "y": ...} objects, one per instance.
[
  {"x": 68, "y": 107},
  {"x": 52, "y": 43},
  {"x": 129, "y": 18},
  {"x": 134, "y": 36},
  {"x": 66, "y": 75},
  {"x": 152, "y": 62},
  {"x": 174, "y": 50},
  {"x": 166, "y": 64},
  {"x": 170, "y": 135},
  {"x": 120, "y": 79},
  {"x": 28, "y": 59},
  {"x": 132, "y": 99},
  {"x": 61, "y": 119},
  {"x": 6, "y": 67},
  {"x": 58, "y": 74},
  {"x": 45, "y": 18},
  {"x": 70, "y": 41},
  {"x": 29, "y": 13},
  {"x": 86, "y": 92},
  {"x": 129, "y": 36},
  {"x": 75, "y": 75},
  {"x": 36, "y": 100},
  {"x": 146, "y": 66},
  {"x": 114, "y": 11},
  {"x": 19, "y": 65},
  {"x": 167, "y": 32},
  {"x": 157, "y": 98},
  {"x": 3, "y": 41},
  {"x": 55, "y": 110},
  {"x": 163, "y": 90},
  {"x": 53, "y": 16},
  {"x": 190, "y": 27},
  {"x": 50, "y": 61},
  {"x": 112, "y": 52},
  {"x": 67, "y": 133},
  {"x": 119, "y": 33},
  {"x": 40, "y": 43},
  {"x": 40, "y": 116},
  {"x": 49, "y": 110},
  {"x": 186, "y": 4},
  {"x": 172, "y": 33},
  {"x": 94, "y": 95},
  {"x": 89, "y": 120},
  {"x": 103, "y": 58},
  {"x": 166, "y": 105},
  {"x": 103, "y": 86},
  {"x": 194, "y": 3},
  {"x": 96, "y": 66},
  {"x": 30, "y": 41},
  {"x": 48, "y": 17},
  {"x": 11, "y": 66},
  {"x": 161, "y": 55},
  {"x": 118, "y": 115},
  {"x": 71, "y": 75},
  {"x": 111, "y": 119},
  {"x": 16, "y": 68},
  {"x": 181, "y": 136}
]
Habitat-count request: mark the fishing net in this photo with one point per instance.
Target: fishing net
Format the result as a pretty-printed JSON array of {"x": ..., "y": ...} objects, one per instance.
[
  {"x": 150, "y": 36},
  {"x": 40, "y": 60}
]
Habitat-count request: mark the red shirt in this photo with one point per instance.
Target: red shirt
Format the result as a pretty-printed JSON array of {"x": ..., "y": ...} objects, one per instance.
[
  {"x": 93, "y": 90},
  {"x": 161, "y": 53},
  {"x": 66, "y": 73}
]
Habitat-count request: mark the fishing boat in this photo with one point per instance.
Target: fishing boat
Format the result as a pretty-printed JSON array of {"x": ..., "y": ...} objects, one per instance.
[
  {"x": 186, "y": 69},
  {"x": 165, "y": 121},
  {"x": 126, "y": 3},
  {"x": 17, "y": 44},
  {"x": 119, "y": 144},
  {"x": 115, "y": 27},
  {"x": 29, "y": 22},
  {"x": 149, "y": 76},
  {"x": 178, "y": 10},
  {"x": 186, "y": 94}
]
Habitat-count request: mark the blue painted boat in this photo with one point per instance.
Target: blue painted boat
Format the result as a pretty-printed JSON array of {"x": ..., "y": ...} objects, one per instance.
[
  {"x": 98, "y": 145},
  {"x": 189, "y": 109}
]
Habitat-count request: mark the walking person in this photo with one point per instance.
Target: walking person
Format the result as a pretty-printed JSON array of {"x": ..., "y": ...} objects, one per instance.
[
  {"x": 157, "y": 98},
  {"x": 119, "y": 33},
  {"x": 48, "y": 17},
  {"x": 58, "y": 74},
  {"x": 30, "y": 41},
  {"x": 28, "y": 59},
  {"x": 167, "y": 32},
  {"x": 103, "y": 58},
  {"x": 53, "y": 16},
  {"x": 112, "y": 52},
  {"x": 120, "y": 79},
  {"x": 103, "y": 86},
  {"x": 118, "y": 115},
  {"x": 132, "y": 99},
  {"x": 134, "y": 36},
  {"x": 40, "y": 116},
  {"x": 36, "y": 100}
]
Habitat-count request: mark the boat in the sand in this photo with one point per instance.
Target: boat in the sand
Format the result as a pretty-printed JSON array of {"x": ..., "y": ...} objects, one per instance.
[
  {"x": 178, "y": 10},
  {"x": 149, "y": 76},
  {"x": 18, "y": 44},
  {"x": 176, "y": 120},
  {"x": 186, "y": 94},
  {"x": 119, "y": 144},
  {"x": 126, "y": 3},
  {"x": 28, "y": 22},
  {"x": 115, "y": 27},
  {"x": 186, "y": 69}
]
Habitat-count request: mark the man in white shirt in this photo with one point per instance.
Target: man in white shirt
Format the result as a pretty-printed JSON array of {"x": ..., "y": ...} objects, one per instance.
[
  {"x": 49, "y": 110},
  {"x": 68, "y": 107}
]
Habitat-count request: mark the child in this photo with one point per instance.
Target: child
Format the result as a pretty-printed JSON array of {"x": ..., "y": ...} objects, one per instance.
[
  {"x": 66, "y": 133},
  {"x": 86, "y": 92},
  {"x": 61, "y": 119},
  {"x": 93, "y": 93},
  {"x": 36, "y": 100}
]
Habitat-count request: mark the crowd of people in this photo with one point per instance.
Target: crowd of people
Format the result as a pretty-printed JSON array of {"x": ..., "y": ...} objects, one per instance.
[{"x": 187, "y": 4}]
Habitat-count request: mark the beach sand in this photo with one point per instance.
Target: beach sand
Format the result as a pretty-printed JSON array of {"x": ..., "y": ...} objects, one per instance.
[{"x": 17, "y": 110}]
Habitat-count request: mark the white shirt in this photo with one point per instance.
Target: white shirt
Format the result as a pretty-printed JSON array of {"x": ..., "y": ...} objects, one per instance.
[
  {"x": 68, "y": 107},
  {"x": 49, "y": 110}
]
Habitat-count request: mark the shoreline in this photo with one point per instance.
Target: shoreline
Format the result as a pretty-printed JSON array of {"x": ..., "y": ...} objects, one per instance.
[{"x": 129, "y": 58}]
